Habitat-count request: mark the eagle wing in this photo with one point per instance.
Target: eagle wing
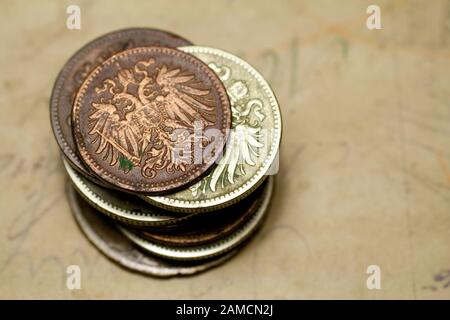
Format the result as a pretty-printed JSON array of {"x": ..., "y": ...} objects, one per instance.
[
  {"x": 185, "y": 101},
  {"x": 116, "y": 139},
  {"x": 241, "y": 150}
]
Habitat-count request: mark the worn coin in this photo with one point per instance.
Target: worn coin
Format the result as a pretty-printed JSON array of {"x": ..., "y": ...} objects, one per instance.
[
  {"x": 115, "y": 246},
  {"x": 120, "y": 206},
  {"x": 211, "y": 227},
  {"x": 139, "y": 118},
  {"x": 209, "y": 250},
  {"x": 78, "y": 68},
  {"x": 135, "y": 212},
  {"x": 253, "y": 143}
]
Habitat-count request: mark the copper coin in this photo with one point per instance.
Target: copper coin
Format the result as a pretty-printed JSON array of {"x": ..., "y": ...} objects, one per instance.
[
  {"x": 78, "y": 68},
  {"x": 114, "y": 245},
  {"x": 210, "y": 227},
  {"x": 141, "y": 118}
]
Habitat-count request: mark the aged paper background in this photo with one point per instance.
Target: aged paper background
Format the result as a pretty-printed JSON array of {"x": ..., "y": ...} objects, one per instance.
[{"x": 365, "y": 159}]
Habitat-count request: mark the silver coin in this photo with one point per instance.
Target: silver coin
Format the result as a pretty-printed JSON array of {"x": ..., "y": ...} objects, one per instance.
[
  {"x": 253, "y": 142},
  {"x": 122, "y": 207},
  {"x": 115, "y": 246},
  {"x": 212, "y": 249}
]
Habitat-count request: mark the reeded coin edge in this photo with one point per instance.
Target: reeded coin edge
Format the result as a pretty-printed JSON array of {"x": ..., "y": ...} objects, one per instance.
[
  {"x": 138, "y": 265},
  {"x": 211, "y": 250},
  {"x": 259, "y": 176},
  {"x": 140, "y": 186},
  {"x": 203, "y": 237},
  {"x": 115, "y": 212}
]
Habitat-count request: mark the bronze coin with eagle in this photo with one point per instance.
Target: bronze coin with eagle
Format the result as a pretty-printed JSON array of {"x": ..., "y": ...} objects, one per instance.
[
  {"x": 151, "y": 119},
  {"x": 78, "y": 67}
]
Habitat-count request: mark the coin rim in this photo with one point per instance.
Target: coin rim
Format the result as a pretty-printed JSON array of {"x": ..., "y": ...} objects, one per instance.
[
  {"x": 250, "y": 185},
  {"x": 180, "y": 239},
  {"x": 210, "y": 250},
  {"x": 148, "y": 187},
  {"x": 55, "y": 98},
  {"x": 165, "y": 271},
  {"x": 135, "y": 219},
  {"x": 113, "y": 211}
]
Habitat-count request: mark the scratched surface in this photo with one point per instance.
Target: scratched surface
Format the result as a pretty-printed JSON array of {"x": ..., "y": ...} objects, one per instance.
[{"x": 365, "y": 159}]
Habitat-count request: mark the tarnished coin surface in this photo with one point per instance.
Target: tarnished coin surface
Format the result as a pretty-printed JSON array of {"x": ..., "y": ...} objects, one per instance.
[
  {"x": 209, "y": 250},
  {"x": 78, "y": 68},
  {"x": 102, "y": 233},
  {"x": 120, "y": 206},
  {"x": 253, "y": 141},
  {"x": 210, "y": 227},
  {"x": 135, "y": 212},
  {"x": 140, "y": 117}
]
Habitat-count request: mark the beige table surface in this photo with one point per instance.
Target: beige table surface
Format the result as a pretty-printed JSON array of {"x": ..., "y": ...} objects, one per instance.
[{"x": 365, "y": 159}]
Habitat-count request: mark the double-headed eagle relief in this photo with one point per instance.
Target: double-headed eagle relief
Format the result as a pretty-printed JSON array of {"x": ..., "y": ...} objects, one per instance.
[{"x": 144, "y": 117}]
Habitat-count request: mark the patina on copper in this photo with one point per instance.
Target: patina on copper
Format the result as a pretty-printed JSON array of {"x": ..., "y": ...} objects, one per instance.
[
  {"x": 142, "y": 117},
  {"x": 78, "y": 68}
]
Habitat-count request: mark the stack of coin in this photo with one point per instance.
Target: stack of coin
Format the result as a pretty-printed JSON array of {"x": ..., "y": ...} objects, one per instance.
[{"x": 169, "y": 148}]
